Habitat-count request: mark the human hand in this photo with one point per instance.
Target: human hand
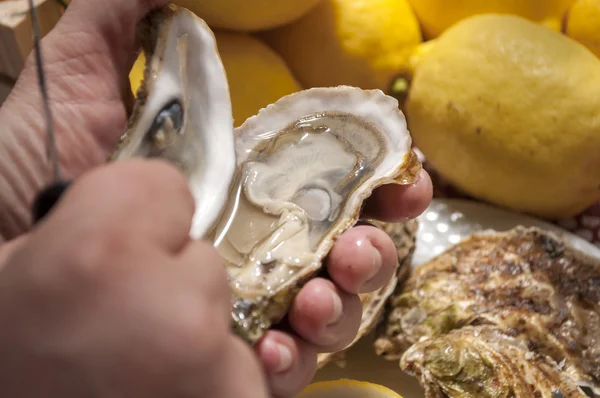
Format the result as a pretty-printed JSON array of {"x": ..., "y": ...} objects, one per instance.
[
  {"x": 87, "y": 59},
  {"x": 102, "y": 300}
]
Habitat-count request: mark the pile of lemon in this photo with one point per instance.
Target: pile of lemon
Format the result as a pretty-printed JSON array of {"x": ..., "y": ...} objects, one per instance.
[{"x": 502, "y": 96}]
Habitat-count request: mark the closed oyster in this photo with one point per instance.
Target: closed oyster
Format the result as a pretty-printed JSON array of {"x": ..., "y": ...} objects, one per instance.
[
  {"x": 276, "y": 193},
  {"x": 485, "y": 362},
  {"x": 527, "y": 283}
]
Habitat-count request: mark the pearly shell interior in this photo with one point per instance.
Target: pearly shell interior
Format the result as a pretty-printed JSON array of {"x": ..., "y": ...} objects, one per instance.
[{"x": 274, "y": 194}]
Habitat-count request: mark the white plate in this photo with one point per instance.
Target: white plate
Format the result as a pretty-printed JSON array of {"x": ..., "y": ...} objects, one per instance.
[
  {"x": 448, "y": 221},
  {"x": 444, "y": 223}
]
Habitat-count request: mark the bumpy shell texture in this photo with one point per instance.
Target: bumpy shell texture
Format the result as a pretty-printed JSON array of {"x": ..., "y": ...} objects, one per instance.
[
  {"x": 525, "y": 292},
  {"x": 276, "y": 193},
  {"x": 485, "y": 362}
]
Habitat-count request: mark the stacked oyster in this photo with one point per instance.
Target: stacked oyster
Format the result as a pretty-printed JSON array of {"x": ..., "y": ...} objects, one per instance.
[{"x": 512, "y": 314}]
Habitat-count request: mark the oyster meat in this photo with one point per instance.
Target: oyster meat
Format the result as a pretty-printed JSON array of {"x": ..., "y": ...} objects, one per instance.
[
  {"x": 305, "y": 166},
  {"x": 403, "y": 235},
  {"x": 527, "y": 285},
  {"x": 274, "y": 194}
]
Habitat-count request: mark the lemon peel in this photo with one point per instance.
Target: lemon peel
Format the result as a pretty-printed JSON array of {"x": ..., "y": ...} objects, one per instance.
[
  {"x": 436, "y": 16},
  {"x": 362, "y": 43},
  {"x": 507, "y": 110},
  {"x": 347, "y": 388}
]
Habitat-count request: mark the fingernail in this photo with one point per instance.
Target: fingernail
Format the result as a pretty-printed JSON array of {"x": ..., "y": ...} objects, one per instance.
[
  {"x": 366, "y": 223},
  {"x": 337, "y": 309},
  {"x": 420, "y": 177},
  {"x": 285, "y": 358},
  {"x": 375, "y": 264}
]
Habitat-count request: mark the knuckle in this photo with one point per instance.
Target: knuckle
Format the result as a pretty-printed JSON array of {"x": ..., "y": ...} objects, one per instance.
[
  {"x": 198, "y": 336},
  {"x": 129, "y": 187},
  {"x": 218, "y": 289},
  {"x": 200, "y": 327},
  {"x": 137, "y": 179},
  {"x": 93, "y": 251},
  {"x": 160, "y": 175}
]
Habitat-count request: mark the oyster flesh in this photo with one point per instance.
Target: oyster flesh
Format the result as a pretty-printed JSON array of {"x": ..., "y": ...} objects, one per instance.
[
  {"x": 403, "y": 235},
  {"x": 528, "y": 285},
  {"x": 274, "y": 194},
  {"x": 305, "y": 166}
]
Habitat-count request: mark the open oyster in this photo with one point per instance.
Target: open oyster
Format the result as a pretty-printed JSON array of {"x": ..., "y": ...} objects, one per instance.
[{"x": 274, "y": 194}]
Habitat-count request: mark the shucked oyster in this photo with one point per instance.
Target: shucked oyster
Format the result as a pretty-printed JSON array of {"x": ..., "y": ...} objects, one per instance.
[
  {"x": 274, "y": 194},
  {"x": 527, "y": 283},
  {"x": 305, "y": 166}
]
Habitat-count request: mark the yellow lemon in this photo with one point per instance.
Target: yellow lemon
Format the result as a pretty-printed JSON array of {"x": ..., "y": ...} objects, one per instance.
[
  {"x": 247, "y": 15},
  {"x": 438, "y": 15},
  {"x": 257, "y": 75},
  {"x": 136, "y": 75},
  {"x": 583, "y": 24},
  {"x": 347, "y": 389},
  {"x": 363, "y": 43},
  {"x": 508, "y": 111}
]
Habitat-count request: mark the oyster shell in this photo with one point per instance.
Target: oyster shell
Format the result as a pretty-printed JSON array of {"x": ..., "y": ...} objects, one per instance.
[
  {"x": 182, "y": 111},
  {"x": 526, "y": 283},
  {"x": 403, "y": 235},
  {"x": 485, "y": 362},
  {"x": 305, "y": 166},
  {"x": 274, "y": 194}
]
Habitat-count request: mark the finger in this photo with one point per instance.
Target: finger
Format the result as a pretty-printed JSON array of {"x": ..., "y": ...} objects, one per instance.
[
  {"x": 131, "y": 199},
  {"x": 87, "y": 56},
  {"x": 89, "y": 27},
  {"x": 393, "y": 203},
  {"x": 326, "y": 316},
  {"x": 289, "y": 362},
  {"x": 362, "y": 260},
  {"x": 238, "y": 374}
]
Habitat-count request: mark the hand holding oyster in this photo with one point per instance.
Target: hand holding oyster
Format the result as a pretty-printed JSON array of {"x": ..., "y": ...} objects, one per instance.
[{"x": 274, "y": 194}]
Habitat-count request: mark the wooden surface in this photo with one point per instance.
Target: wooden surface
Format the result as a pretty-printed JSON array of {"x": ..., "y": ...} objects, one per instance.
[{"x": 16, "y": 35}]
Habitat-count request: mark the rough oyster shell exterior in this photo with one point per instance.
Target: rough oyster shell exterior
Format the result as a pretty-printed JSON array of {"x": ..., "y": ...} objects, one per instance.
[{"x": 527, "y": 285}]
